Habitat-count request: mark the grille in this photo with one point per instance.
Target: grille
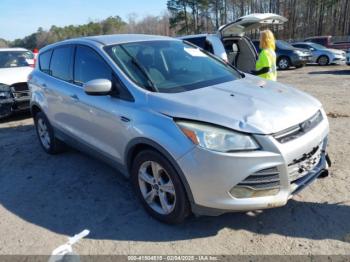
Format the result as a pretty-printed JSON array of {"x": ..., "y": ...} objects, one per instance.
[
  {"x": 263, "y": 179},
  {"x": 296, "y": 131},
  {"x": 301, "y": 166}
]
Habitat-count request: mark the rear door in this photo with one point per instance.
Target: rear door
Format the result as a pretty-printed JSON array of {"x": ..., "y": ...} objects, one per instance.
[
  {"x": 249, "y": 22},
  {"x": 57, "y": 84}
]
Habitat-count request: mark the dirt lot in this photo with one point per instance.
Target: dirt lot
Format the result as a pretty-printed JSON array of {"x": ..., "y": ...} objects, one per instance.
[{"x": 44, "y": 199}]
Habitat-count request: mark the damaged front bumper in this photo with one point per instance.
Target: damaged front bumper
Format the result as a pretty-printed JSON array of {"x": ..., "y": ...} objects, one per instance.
[
  {"x": 244, "y": 181},
  {"x": 13, "y": 98}
]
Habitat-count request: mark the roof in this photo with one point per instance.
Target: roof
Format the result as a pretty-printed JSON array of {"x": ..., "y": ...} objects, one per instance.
[
  {"x": 316, "y": 37},
  {"x": 6, "y": 49},
  {"x": 123, "y": 38},
  {"x": 302, "y": 43},
  {"x": 192, "y": 36},
  {"x": 109, "y": 40}
]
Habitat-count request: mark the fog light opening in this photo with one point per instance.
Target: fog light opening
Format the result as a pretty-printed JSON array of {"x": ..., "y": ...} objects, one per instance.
[{"x": 246, "y": 192}]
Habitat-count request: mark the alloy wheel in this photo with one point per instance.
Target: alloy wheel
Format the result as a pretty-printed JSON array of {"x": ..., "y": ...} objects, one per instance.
[
  {"x": 283, "y": 63},
  {"x": 44, "y": 133},
  {"x": 323, "y": 60},
  {"x": 156, "y": 187}
]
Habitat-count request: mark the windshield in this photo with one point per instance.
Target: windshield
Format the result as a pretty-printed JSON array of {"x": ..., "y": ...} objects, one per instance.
[
  {"x": 170, "y": 66},
  {"x": 284, "y": 45},
  {"x": 10, "y": 59}
]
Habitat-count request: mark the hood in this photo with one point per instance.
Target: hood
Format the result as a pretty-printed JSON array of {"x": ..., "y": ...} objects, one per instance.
[
  {"x": 10, "y": 76},
  {"x": 336, "y": 51},
  {"x": 249, "y": 22},
  {"x": 250, "y": 104}
]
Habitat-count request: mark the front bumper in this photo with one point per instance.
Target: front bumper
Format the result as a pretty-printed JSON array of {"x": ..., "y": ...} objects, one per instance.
[
  {"x": 340, "y": 60},
  {"x": 18, "y": 101},
  {"x": 212, "y": 176}
]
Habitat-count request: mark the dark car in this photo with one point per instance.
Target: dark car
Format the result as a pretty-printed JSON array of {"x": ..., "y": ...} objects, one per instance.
[{"x": 288, "y": 55}]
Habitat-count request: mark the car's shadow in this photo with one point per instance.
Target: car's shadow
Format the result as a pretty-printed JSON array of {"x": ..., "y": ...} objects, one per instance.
[
  {"x": 69, "y": 192},
  {"x": 331, "y": 72},
  {"x": 16, "y": 117}
]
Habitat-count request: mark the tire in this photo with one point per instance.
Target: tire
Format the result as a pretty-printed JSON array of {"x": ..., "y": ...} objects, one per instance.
[
  {"x": 155, "y": 179},
  {"x": 46, "y": 135},
  {"x": 283, "y": 63},
  {"x": 323, "y": 60}
]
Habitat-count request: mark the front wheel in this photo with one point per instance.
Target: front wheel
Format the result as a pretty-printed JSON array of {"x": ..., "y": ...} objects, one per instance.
[
  {"x": 323, "y": 60},
  {"x": 159, "y": 187},
  {"x": 283, "y": 63}
]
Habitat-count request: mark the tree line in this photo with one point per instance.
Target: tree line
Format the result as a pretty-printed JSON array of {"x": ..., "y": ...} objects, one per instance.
[
  {"x": 112, "y": 25},
  {"x": 305, "y": 18}
]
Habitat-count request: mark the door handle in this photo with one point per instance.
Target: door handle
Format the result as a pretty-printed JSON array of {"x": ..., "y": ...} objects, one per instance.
[
  {"x": 125, "y": 119},
  {"x": 74, "y": 97}
]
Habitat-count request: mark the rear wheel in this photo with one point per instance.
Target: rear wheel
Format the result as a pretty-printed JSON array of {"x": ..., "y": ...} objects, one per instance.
[
  {"x": 283, "y": 63},
  {"x": 323, "y": 60},
  {"x": 159, "y": 187},
  {"x": 46, "y": 134}
]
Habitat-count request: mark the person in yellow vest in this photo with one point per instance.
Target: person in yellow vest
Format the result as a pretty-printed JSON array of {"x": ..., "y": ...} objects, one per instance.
[{"x": 266, "y": 64}]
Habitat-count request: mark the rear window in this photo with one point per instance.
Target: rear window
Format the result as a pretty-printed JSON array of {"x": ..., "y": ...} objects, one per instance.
[
  {"x": 9, "y": 59},
  {"x": 44, "y": 61},
  {"x": 61, "y": 63}
]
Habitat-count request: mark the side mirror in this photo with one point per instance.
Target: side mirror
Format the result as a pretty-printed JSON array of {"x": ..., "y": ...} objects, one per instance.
[{"x": 98, "y": 87}]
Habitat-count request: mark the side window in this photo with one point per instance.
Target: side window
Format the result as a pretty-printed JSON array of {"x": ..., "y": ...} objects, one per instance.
[
  {"x": 44, "y": 61},
  {"x": 61, "y": 63},
  {"x": 198, "y": 41},
  {"x": 209, "y": 47},
  {"x": 89, "y": 65}
]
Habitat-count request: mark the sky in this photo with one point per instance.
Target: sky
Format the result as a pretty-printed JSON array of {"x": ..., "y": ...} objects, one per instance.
[{"x": 22, "y": 17}]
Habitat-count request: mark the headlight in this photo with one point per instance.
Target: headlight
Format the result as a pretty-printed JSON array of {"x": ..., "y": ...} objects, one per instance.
[
  {"x": 216, "y": 138},
  {"x": 5, "y": 95},
  {"x": 5, "y": 91}
]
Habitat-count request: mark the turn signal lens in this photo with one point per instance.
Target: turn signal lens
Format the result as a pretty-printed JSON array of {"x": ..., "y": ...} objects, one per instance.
[{"x": 191, "y": 135}]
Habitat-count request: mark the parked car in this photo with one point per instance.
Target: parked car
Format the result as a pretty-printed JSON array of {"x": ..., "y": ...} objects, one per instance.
[
  {"x": 327, "y": 41},
  {"x": 14, "y": 70},
  {"x": 322, "y": 55},
  {"x": 191, "y": 132},
  {"x": 230, "y": 42},
  {"x": 288, "y": 55}
]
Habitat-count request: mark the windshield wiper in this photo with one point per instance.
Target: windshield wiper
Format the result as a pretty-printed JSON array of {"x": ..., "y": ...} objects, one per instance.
[{"x": 150, "y": 86}]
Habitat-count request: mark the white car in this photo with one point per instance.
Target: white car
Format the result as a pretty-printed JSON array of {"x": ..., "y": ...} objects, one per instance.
[{"x": 15, "y": 66}]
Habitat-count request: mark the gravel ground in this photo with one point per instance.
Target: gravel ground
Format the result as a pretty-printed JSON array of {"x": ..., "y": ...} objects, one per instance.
[{"x": 44, "y": 199}]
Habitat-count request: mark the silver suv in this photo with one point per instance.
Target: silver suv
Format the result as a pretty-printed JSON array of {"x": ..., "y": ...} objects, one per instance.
[{"x": 191, "y": 132}]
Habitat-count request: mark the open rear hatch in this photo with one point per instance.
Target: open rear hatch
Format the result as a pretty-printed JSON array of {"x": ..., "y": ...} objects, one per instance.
[{"x": 249, "y": 22}]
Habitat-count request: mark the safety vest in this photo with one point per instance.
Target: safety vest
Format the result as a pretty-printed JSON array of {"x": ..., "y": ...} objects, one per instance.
[{"x": 267, "y": 58}]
